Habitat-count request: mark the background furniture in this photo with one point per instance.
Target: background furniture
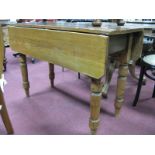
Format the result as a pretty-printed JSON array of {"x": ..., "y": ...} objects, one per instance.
[
  {"x": 148, "y": 45},
  {"x": 3, "y": 109},
  {"x": 4, "y": 24},
  {"x": 147, "y": 64},
  {"x": 81, "y": 48}
]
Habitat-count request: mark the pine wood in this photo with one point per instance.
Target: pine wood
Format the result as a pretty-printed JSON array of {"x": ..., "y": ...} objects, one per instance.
[
  {"x": 81, "y": 48},
  {"x": 57, "y": 47},
  {"x": 4, "y": 114},
  {"x": 5, "y": 35},
  {"x": 3, "y": 110},
  {"x": 106, "y": 28},
  {"x": 122, "y": 76},
  {"x": 96, "y": 88},
  {"x": 133, "y": 54},
  {"x": 24, "y": 71}
]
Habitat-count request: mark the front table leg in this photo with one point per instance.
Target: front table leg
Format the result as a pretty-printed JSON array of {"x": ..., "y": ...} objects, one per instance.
[
  {"x": 121, "y": 83},
  {"x": 23, "y": 65},
  {"x": 96, "y": 92},
  {"x": 51, "y": 74},
  {"x": 4, "y": 114}
]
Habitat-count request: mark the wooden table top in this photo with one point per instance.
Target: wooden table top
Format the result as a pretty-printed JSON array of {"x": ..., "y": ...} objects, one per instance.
[
  {"x": 150, "y": 35},
  {"x": 141, "y": 22},
  {"x": 85, "y": 27},
  {"x": 141, "y": 25}
]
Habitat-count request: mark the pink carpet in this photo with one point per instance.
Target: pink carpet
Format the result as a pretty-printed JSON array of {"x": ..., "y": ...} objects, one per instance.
[{"x": 65, "y": 109}]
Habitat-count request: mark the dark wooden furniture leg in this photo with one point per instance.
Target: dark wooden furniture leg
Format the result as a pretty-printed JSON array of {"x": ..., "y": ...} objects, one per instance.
[
  {"x": 51, "y": 74},
  {"x": 153, "y": 95},
  {"x": 96, "y": 91},
  {"x": 139, "y": 86},
  {"x": 23, "y": 66},
  {"x": 4, "y": 114},
  {"x": 79, "y": 76}
]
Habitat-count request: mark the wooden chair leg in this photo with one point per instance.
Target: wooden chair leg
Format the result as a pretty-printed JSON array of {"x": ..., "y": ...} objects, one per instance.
[
  {"x": 4, "y": 114},
  {"x": 153, "y": 95},
  {"x": 139, "y": 86},
  {"x": 23, "y": 66},
  {"x": 96, "y": 92},
  {"x": 51, "y": 74},
  {"x": 79, "y": 76}
]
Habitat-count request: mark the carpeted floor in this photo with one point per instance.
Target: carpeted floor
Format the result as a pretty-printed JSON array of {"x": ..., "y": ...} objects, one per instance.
[{"x": 65, "y": 109}]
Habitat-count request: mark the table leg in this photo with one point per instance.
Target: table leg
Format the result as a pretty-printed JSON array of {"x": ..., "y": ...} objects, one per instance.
[
  {"x": 96, "y": 91},
  {"x": 51, "y": 74},
  {"x": 23, "y": 65},
  {"x": 79, "y": 76},
  {"x": 4, "y": 61},
  {"x": 109, "y": 73},
  {"x": 4, "y": 114},
  {"x": 121, "y": 82}
]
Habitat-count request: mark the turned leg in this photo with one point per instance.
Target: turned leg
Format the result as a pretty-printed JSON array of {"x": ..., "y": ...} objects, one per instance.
[
  {"x": 96, "y": 91},
  {"x": 121, "y": 82},
  {"x": 23, "y": 65},
  {"x": 132, "y": 71},
  {"x": 51, "y": 74},
  {"x": 109, "y": 73},
  {"x": 4, "y": 114},
  {"x": 4, "y": 61}
]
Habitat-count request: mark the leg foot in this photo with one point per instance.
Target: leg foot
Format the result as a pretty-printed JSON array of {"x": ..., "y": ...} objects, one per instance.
[
  {"x": 93, "y": 132},
  {"x": 118, "y": 104}
]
